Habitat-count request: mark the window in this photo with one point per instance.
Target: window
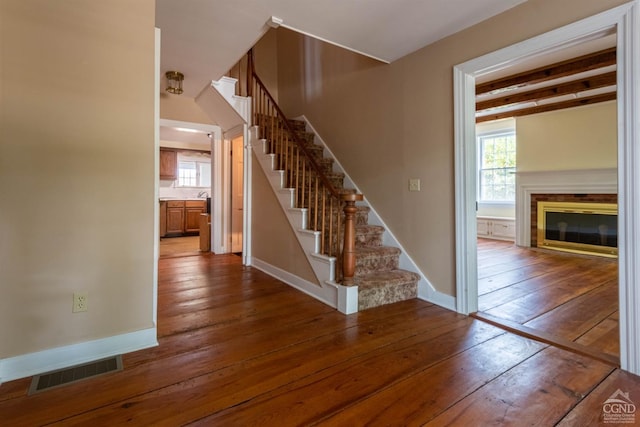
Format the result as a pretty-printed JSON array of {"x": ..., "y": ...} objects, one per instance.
[
  {"x": 194, "y": 172},
  {"x": 497, "y": 166}
]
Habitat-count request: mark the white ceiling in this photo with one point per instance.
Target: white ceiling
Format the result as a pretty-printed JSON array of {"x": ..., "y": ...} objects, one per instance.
[
  {"x": 203, "y": 39},
  {"x": 194, "y": 137}
]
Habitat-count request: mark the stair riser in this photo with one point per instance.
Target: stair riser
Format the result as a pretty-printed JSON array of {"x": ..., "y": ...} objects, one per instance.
[
  {"x": 373, "y": 263},
  {"x": 386, "y": 295},
  {"x": 368, "y": 239}
]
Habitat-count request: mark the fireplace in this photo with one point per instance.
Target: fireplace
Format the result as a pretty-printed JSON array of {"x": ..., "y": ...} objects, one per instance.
[{"x": 578, "y": 227}]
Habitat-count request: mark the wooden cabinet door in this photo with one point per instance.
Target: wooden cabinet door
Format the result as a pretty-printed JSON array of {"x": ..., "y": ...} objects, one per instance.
[
  {"x": 192, "y": 220},
  {"x": 193, "y": 209},
  {"x": 175, "y": 220},
  {"x": 168, "y": 164}
]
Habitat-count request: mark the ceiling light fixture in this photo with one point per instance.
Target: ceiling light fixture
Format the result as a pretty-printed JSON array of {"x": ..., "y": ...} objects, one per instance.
[{"x": 174, "y": 82}]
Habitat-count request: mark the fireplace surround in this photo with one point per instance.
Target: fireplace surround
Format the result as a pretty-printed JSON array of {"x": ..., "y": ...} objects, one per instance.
[
  {"x": 586, "y": 185},
  {"x": 578, "y": 227}
]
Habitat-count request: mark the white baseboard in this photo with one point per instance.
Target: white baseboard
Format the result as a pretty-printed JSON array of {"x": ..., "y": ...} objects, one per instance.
[
  {"x": 427, "y": 293},
  {"x": 26, "y": 365},
  {"x": 326, "y": 293}
]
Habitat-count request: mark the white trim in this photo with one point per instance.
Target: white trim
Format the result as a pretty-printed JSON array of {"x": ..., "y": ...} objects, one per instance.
[
  {"x": 327, "y": 292},
  {"x": 276, "y": 22},
  {"x": 625, "y": 19},
  {"x": 247, "y": 194},
  {"x": 465, "y": 192},
  {"x": 26, "y": 365},
  {"x": 629, "y": 187},
  {"x": 156, "y": 177},
  {"x": 426, "y": 291}
]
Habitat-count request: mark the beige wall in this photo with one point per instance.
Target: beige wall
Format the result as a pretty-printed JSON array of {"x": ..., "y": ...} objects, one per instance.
[
  {"x": 76, "y": 170},
  {"x": 389, "y": 123},
  {"x": 273, "y": 240},
  {"x": 577, "y": 138},
  {"x": 181, "y": 108},
  {"x": 267, "y": 69}
]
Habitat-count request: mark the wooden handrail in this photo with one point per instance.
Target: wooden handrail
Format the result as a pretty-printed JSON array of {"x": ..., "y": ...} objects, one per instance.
[
  {"x": 330, "y": 211},
  {"x": 312, "y": 161}
]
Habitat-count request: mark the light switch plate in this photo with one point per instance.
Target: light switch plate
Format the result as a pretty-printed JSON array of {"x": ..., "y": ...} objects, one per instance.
[{"x": 414, "y": 184}]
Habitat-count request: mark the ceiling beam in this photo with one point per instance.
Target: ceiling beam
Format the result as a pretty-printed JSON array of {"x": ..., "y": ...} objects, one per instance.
[
  {"x": 594, "y": 82},
  {"x": 549, "y": 107},
  {"x": 588, "y": 62}
]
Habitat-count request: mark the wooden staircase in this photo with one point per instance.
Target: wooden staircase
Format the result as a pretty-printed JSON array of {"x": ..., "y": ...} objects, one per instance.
[
  {"x": 377, "y": 275},
  {"x": 345, "y": 252}
]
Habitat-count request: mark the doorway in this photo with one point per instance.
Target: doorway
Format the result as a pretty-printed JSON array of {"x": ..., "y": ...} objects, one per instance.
[
  {"x": 184, "y": 190},
  {"x": 567, "y": 296},
  {"x": 623, "y": 20}
]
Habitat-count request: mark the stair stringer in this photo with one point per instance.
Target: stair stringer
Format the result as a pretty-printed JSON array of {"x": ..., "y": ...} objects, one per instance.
[
  {"x": 343, "y": 298},
  {"x": 426, "y": 291}
]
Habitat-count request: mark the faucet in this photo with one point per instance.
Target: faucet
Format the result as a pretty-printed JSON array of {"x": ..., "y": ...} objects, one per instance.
[{"x": 203, "y": 194}]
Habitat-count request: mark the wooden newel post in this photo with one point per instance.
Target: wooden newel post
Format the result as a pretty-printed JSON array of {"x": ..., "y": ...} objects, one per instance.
[{"x": 349, "y": 247}]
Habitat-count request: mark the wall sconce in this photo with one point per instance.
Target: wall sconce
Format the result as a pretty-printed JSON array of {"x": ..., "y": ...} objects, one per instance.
[{"x": 174, "y": 82}]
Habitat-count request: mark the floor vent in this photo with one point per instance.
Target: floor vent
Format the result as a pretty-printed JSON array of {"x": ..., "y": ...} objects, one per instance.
[{"x": 65, "y": 376}]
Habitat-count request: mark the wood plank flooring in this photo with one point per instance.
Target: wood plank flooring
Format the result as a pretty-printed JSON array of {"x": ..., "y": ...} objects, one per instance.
[
  {"x": 179, "y": 246},
  {"x": 239, "y": 348},
  {"x": 570, "y": 297}
]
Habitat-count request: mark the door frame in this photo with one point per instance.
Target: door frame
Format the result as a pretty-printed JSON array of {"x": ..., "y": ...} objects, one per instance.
[
  {"x": 224, "y": 178},
  {"x": 625, "y": 20}
]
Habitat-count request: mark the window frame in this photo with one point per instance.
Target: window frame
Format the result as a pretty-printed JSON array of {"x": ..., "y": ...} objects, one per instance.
[
  {"x": 480, "y": 138},
  {"x": 197, "y": 161}
]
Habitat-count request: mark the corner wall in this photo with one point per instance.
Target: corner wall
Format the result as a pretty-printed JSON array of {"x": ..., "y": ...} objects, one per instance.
[{"x": 77, "y": 171}]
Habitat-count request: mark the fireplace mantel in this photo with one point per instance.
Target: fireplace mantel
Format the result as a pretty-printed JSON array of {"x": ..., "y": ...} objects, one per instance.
[{"x": 583, "y": 181}]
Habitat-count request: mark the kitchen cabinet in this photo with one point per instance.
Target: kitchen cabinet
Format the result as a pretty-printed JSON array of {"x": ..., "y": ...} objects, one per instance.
[
  {"x": 168, "y": 164},
  {"x": 181, "y": 217}
]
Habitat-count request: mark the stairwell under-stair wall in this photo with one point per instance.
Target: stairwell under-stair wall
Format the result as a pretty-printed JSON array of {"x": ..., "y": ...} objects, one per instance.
[{"x": 384, "y": 272}]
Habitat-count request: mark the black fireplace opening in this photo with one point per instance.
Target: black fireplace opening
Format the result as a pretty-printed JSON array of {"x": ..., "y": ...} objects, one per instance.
[{"x": 583, "y": 228}]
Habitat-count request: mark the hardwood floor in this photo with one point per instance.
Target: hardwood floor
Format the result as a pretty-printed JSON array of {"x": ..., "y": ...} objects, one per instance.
[
  {"x": 560, "y": 296},
  {"x": 179, "y": 246},
  {"x": 239, "y": 348}
]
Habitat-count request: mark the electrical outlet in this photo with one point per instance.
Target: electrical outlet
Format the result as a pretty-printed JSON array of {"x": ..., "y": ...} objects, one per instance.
[
  {"x": 80, "y": 302},
  {"x": 414, "y": 184}
]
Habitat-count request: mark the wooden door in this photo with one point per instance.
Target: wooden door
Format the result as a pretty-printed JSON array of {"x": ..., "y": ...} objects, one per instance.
[{"x": 237, "y": 196}]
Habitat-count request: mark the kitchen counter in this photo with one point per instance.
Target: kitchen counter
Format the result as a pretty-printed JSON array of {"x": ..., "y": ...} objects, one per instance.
[{"x": 164, "y": 199}]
